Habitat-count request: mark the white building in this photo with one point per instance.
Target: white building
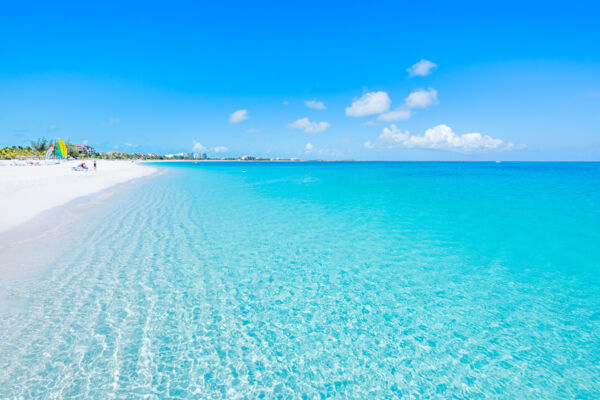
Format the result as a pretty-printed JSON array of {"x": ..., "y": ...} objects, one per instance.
[
  {"x": 84, "y": 148},
  {"x": 178, "y": 156}
]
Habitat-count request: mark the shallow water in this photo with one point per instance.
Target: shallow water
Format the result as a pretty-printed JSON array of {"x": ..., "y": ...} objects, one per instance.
[{"x": 316, "y": 280}]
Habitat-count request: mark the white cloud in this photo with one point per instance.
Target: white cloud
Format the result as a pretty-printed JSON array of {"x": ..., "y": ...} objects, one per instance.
[
  {"x": 369, "y": 104},
  {"x": 440, "y": 137},
  {"x": 198, "y": 147},
  {"x": 113, "y": 121},
  {"x": 422, "y": 98},
  {"x": 252, "y": 130},
  {"x": 308, "y": 126},
  {"x": 370, "y": 123},
  {"x": 400, "y": 114},
  {"x": 422, "y": 68},
  {"x": 308, "y": 147},
  {"x": 315, "y": 104},
  {"x": 238, "y": 116}
]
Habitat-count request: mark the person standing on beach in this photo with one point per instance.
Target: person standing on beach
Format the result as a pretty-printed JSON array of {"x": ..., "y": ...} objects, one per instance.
[{"x": 94, "y": 165}]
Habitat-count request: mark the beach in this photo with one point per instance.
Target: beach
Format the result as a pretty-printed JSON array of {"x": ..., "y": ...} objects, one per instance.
[{"x": 29, "y": 190}]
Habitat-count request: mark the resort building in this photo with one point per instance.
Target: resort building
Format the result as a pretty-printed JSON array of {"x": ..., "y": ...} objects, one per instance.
[
  {"x": 84, "y": 149},
  {"x": 179, "y": 156},
  {"x": 199, "y": 156}
]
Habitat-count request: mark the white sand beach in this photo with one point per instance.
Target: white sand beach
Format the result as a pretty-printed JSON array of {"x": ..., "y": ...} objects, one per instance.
[{"x": 26, "y": 191}]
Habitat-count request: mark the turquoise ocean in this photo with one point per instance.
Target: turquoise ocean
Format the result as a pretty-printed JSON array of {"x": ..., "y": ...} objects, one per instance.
[{"x": 314, "y": 280}]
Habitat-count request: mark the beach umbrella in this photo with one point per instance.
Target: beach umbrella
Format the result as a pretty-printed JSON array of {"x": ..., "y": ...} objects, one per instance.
[{"x": 61, "y": 149}]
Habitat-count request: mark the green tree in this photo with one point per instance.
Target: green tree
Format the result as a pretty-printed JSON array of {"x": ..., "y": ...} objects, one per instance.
[
  {"x": 72, "y": 151},
  {"x": 41, "y": 144}
]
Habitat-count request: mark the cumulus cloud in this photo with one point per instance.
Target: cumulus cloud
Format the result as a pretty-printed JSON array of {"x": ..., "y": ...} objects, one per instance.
[
  {"x": 198, "y": 147},
  {"x": 440, "y": 137},
  {"x": 308, "y": 147},
  {"x": 421, "y": 98},
  {"x": 400, "y": 114},
  {"x": 369, "y": 104},
  {"x": 238, "y": 116},
  {"x": 315, "y": 104},
  {"x": 308, "y": 126},
  {"x": 422, "y": 68}
]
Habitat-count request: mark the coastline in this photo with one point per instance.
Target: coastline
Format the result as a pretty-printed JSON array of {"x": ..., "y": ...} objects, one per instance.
[{"x": 29, "y": 191}]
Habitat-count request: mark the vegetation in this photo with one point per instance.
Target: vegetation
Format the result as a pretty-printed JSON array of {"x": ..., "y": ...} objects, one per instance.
[
  {"x": 117, "y": 155},
  {"x": 41, "y": 144},
  {"x": 19, "y": 151},
  {"x": 72, "y": 151},
  {"x": 38, "y": 148}
]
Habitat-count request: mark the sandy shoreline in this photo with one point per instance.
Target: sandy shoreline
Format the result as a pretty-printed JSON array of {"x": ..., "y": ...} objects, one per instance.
[{"x": 27, "y": 191}]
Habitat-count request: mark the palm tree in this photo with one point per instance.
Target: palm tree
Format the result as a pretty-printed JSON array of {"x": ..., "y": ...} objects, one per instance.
[{"x": 41, "y": 144}]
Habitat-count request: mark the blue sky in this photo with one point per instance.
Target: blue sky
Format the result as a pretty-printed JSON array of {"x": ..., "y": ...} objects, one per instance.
[{"x": 521, "y": 79}]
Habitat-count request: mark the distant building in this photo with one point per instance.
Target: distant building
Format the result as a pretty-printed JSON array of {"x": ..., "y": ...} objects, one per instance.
[
  {"x": 248, "y": 157},
  {"x": 84, "y": 149},
  {"x": 179, "y": 156},
  {"x": 199, "y": 156}
]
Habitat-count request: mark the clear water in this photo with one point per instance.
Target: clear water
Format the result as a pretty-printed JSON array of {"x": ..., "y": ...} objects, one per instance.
[{"x": 316, "y": 280}]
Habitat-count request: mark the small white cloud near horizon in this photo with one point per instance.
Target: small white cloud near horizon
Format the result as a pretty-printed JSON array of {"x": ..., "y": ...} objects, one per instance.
[
  {"x": 198, "y": 146},
  {"x": 370, "y": 123},
  {"x": 315, "y": 104},
  {"x": 308, "y": 147},
  {"x": 422, "y": 68},
  {"x": 309, "y": 127},
  {"x": 399, "y": 114},
  {"x": 238, "y": 116},
  {"x": 421, "y": 98},
  {"x": 369, "y": 104},
  {"x": 440, "y": 137}
]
